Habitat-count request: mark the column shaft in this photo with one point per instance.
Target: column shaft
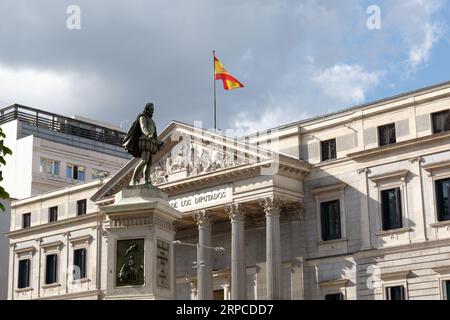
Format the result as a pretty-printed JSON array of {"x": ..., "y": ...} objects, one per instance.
[
  {"x": 204, "y": 254},
  {"x": 273, "y": 248},
  {"x": 238, "y": 265}
]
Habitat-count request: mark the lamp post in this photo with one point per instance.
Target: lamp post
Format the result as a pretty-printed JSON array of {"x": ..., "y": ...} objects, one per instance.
[{"x": 200, "y": 264}]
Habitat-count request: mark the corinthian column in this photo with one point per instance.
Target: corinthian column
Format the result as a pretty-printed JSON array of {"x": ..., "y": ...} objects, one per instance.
[
  {"x": 204, "y": 261},
  {"x": 238, "y": 271},
  {"x": 271, "y": 208}
]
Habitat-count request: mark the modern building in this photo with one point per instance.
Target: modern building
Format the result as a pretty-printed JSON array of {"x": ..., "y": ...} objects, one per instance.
[
  {"x": 349, "y": 205},
  {"x": 50, "y": 151}
]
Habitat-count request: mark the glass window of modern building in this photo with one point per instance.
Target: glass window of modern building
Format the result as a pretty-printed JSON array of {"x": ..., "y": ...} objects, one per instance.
[
  {"x": 49, "y": 166},
  {"x": 74, "y": 172}
]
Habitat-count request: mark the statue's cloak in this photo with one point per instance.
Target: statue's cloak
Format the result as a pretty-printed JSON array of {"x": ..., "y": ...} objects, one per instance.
[{"x": 131, "y": 140}]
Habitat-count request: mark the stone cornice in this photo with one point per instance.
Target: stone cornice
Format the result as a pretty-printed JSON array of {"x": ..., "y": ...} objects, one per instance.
[
  {"x": 90, "y": 217},
  {"x": 435, "y": 166},
  {"x": 400, "y": 174},
  {"x": 330, "y": 188},
  {"x": 391, "y": 148},
  {"x": 333, "y": 283},
  {"x": 396, "y": 275}
]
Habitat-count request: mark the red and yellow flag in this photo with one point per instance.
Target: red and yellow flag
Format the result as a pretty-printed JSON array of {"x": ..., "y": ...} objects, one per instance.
[{"x": 229, "y": 82}]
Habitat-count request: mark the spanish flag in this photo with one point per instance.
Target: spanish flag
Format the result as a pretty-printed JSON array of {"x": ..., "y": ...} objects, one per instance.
[{"x": 229, "y": 82}]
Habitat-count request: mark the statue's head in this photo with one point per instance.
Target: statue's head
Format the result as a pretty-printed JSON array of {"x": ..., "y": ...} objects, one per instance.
[{"x": 148, "y": 109}]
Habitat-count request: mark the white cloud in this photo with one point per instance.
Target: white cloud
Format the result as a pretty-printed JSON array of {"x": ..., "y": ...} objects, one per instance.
[
  {"x": 420, "y": 52},
  {"x": 347, "y": 83}
]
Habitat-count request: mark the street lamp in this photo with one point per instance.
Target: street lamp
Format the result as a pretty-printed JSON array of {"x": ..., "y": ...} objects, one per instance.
[{"x": 200, "y": 265}]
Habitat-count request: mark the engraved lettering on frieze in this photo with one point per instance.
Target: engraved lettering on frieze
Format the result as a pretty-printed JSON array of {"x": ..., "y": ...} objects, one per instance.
[{"x": 162, "y": 264}]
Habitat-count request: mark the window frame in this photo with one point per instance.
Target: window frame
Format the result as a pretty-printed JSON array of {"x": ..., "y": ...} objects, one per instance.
[
  {"x": 435, "y": 181},
  {"x": 387, "y": 293},
  {"x": 55, "y": 166},
  {"x": 433, "y": 131},
  {"x": 75, "y": 168},
  {"x": 56, "y": 254},
  {"x": 325, "y": 194},
  {"x": 28, "y": 214},
  {"x": 391, "y": 180},
  {"x": 340, "y": 294},
  {"x": 399, "y": 207},
  {"x": 26, "y": 258},
  {"x": 85, "y": 249},
  {"x": 379, "y": 128},
  {"x": 50, "y": 214},
  {"x": 96, "y": 175},
  {"x": 322, "y": 143},
  {"x": 78, "y": 213},
  {"x": 324, "y": 235}
]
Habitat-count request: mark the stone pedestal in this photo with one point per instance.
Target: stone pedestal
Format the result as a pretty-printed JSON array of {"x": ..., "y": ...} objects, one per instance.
[{"x": 140, "y": 255}]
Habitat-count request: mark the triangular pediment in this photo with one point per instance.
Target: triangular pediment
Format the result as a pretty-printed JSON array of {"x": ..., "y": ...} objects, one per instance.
[{"x": 188, "y": 152}]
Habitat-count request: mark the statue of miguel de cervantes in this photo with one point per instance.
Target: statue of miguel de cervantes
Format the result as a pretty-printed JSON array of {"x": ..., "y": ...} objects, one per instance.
[{"x": 142, "y": 142}]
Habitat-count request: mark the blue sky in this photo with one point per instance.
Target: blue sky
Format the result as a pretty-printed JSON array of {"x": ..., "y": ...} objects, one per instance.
[{"x": 296, "y": 58}]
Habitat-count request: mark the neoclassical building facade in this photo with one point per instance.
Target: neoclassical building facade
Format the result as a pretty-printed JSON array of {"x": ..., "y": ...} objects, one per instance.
[{"x": 350, "y": 205}]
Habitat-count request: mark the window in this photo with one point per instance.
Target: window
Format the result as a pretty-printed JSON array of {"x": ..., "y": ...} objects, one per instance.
[
  {"x": 441, "y": 121},
  {"x": 334, "y": 296},
  {"x": 386, "y": 134},
  {"x": 81, "y": 207},
  {"x": 98, "y": 174},
  {"x": 79, "y": 264},
  {"x": 446, "y": 288},
  {"x": 26, "y": 220},
  {"x": 24, "y": 274},
  {"x": 50, "y": 166},
  {"x": 395, "y": 293},
  {"x": 328, "y": 149},
  {"x": 51, "y": 268},
  {"x": 74, "y": 172},
  {"x": 331, "y": 220},
  {"x": 391, "y": 209},
  {"x": 52, "y": 214},
  {"x": 443, "y": 199}
]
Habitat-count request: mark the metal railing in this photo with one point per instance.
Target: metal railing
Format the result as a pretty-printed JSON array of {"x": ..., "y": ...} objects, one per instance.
[{"x": 57, "y": 123}]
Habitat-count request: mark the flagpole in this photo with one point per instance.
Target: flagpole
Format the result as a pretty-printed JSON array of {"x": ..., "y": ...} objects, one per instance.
[{"x": 214, "y": 81}]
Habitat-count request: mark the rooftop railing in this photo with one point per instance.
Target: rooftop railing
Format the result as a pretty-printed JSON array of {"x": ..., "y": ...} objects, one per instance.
[{"x": 58, "y": 123}]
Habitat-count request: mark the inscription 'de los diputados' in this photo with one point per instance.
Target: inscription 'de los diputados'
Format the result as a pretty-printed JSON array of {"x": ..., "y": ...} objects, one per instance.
[{"x": 204, "y": 199}]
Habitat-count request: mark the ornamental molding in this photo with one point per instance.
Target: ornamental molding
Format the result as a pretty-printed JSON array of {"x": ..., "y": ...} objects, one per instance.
[
  {"x": 340, "y": 187},
  {"x": 235, "y": 212},
  {"x": 271, "y": 205},
  {"x": 203, "y": 218}
]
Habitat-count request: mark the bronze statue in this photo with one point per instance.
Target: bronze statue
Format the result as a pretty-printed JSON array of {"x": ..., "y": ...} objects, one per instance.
[{"x": 142, "y": 142}]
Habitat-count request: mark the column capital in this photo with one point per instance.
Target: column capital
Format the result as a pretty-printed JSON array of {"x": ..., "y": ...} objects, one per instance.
[
  {"x": 235, "y": 212},
  {"x": 271, "y": 205},
  {"x": 202, "y": 218}
]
